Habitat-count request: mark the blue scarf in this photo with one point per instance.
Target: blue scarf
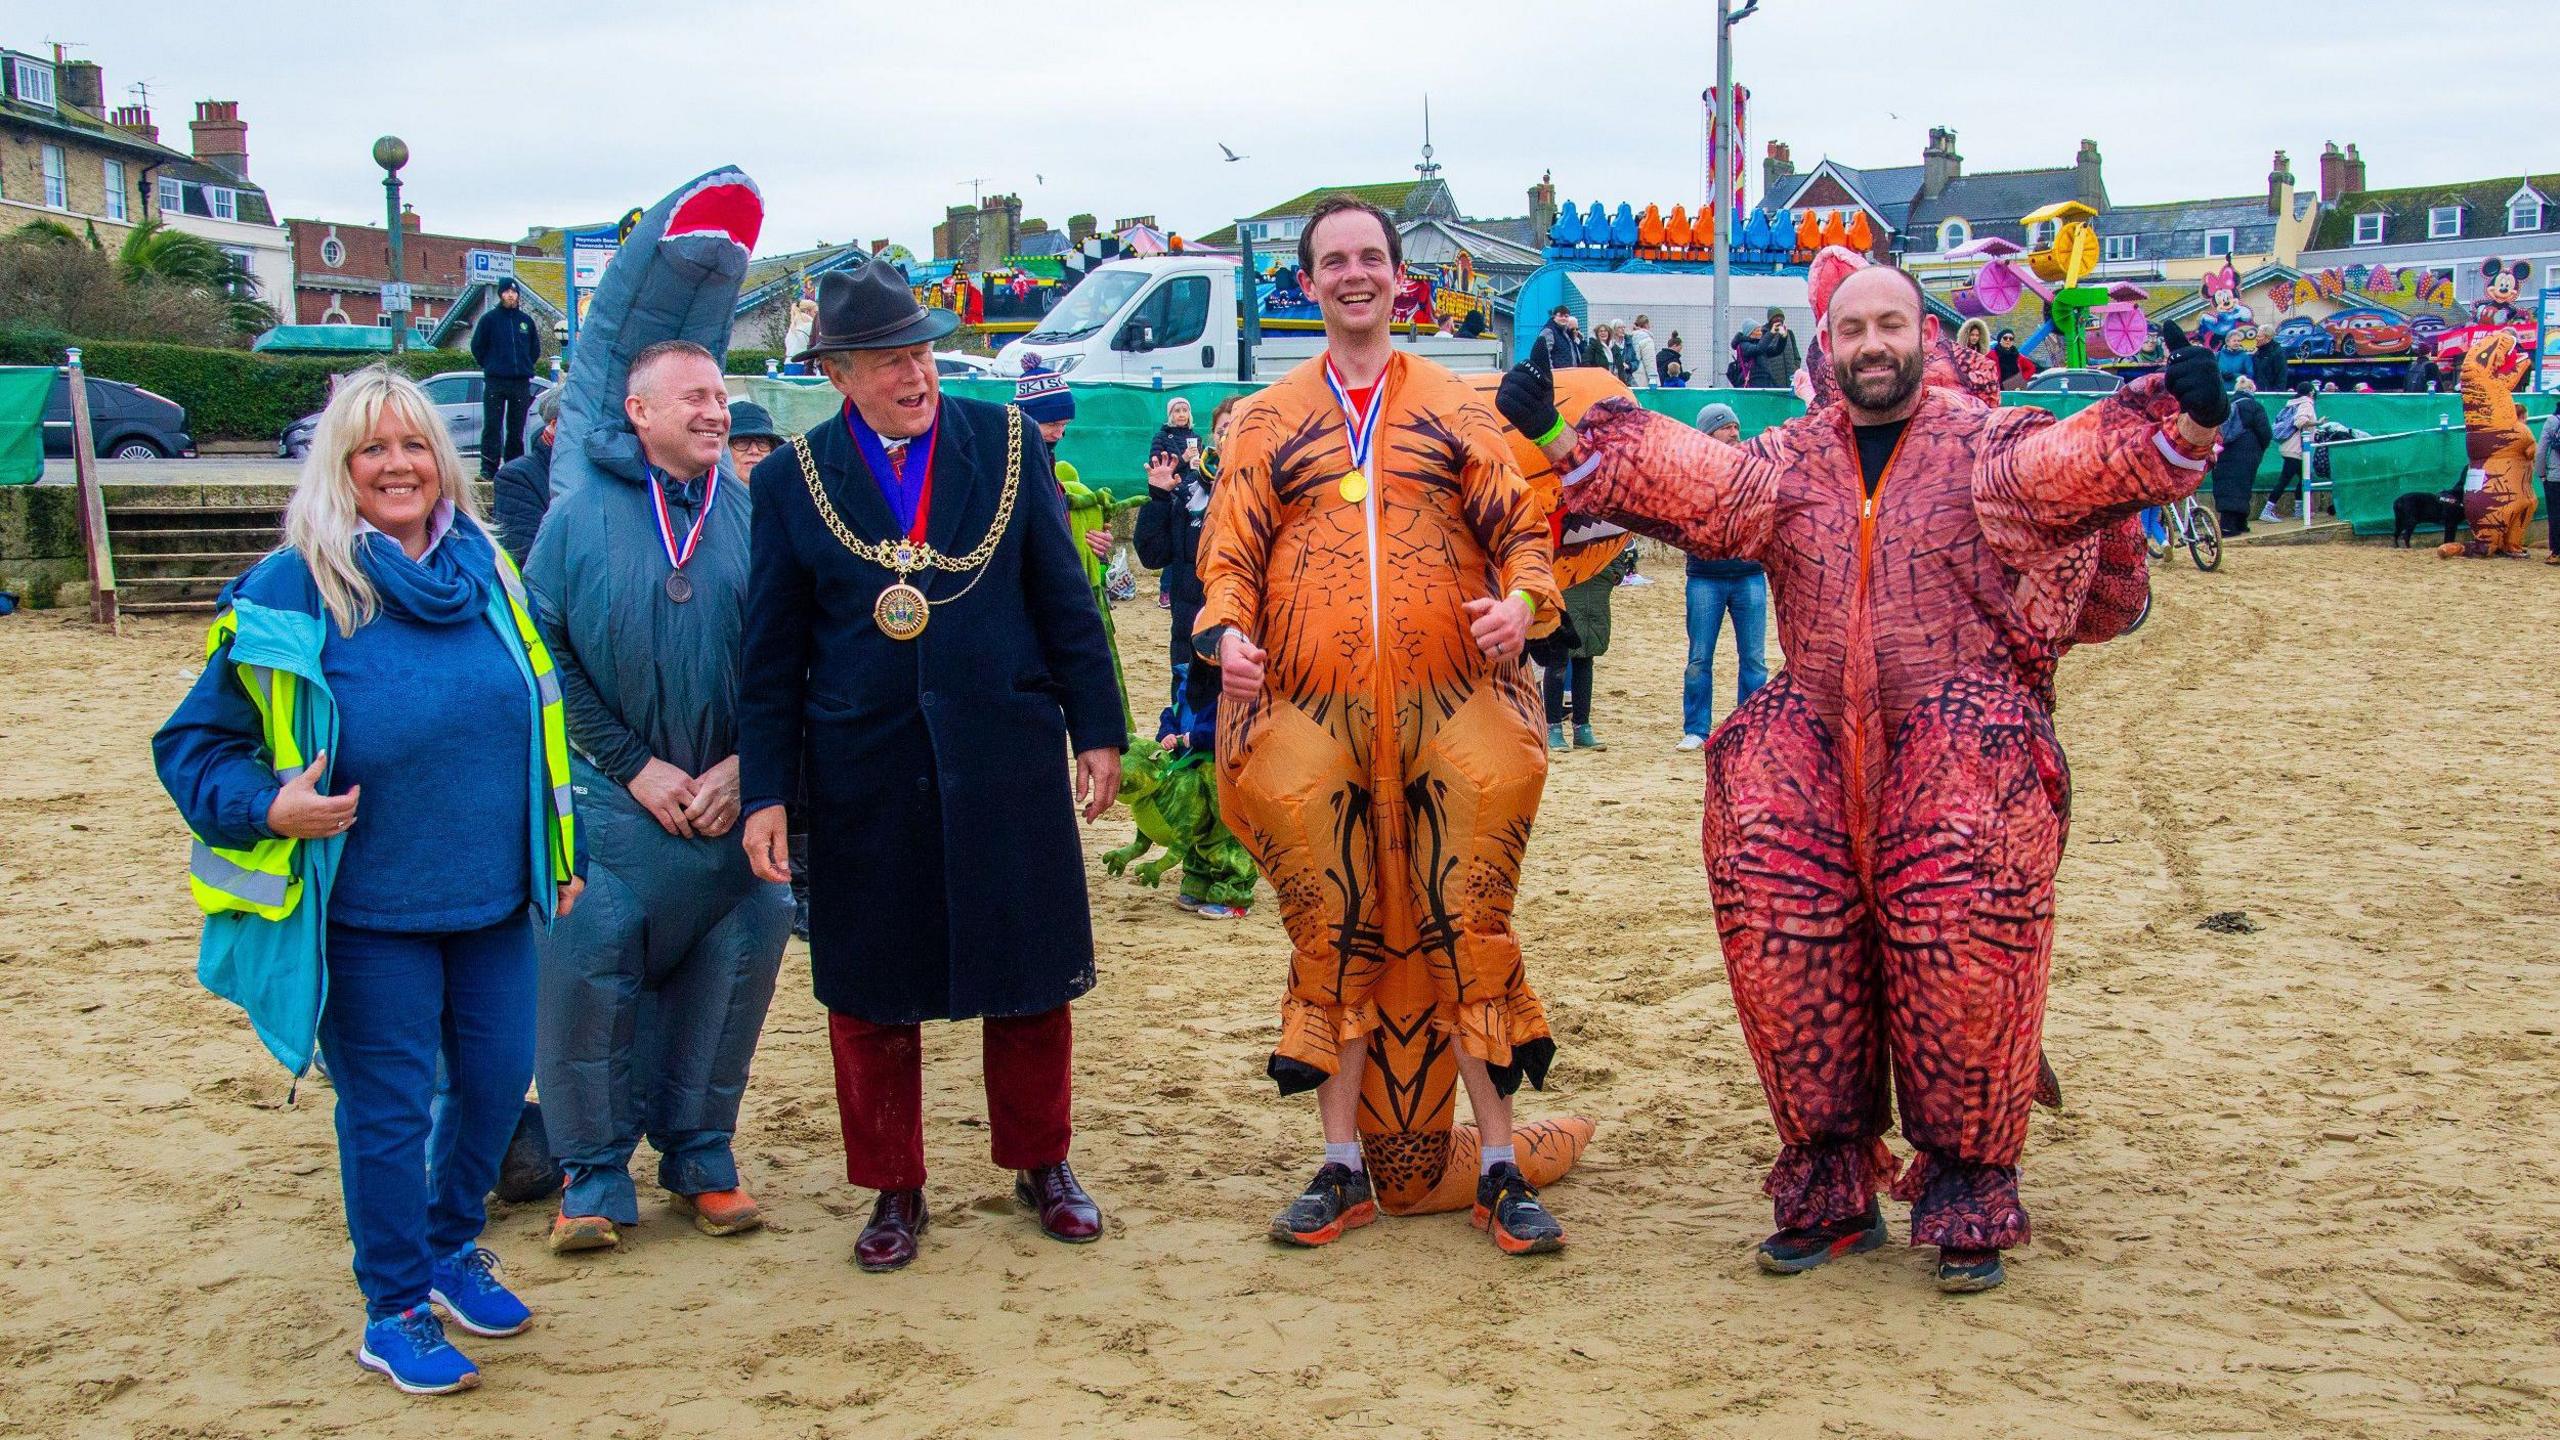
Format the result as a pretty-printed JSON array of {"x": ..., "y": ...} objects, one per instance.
[{"x": 450, "y": 586}]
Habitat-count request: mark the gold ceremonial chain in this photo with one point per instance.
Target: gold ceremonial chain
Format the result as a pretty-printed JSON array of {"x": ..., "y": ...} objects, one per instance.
[{"x": 902, "y": 610}]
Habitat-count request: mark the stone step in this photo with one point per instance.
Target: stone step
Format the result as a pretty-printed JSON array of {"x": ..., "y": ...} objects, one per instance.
[
  {"x": 250, "y": 539},
  {"x": 163, "y": 607},
  {"x": 184, "y": 564}
]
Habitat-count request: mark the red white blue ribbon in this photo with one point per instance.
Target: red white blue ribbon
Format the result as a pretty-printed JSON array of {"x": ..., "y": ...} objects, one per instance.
[
  {"x": 678, "y": 555},
  {"x": 1359, "y": 430}
]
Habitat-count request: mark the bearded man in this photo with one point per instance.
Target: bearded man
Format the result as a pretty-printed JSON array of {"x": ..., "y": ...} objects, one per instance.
[{"x": 1885, "y": 817}]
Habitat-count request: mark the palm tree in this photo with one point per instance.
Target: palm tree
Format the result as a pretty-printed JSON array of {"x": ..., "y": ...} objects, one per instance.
[
  {"x": 47, "y": 232},
  {"x": 154, "y": 253}
]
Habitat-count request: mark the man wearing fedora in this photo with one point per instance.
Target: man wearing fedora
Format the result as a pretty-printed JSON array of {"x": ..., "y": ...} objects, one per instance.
[{"x": 921, "y": 656}]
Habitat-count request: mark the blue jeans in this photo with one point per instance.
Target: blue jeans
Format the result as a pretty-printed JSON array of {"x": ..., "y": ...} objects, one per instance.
[
  {"x": 1746, "y": 598},
  {"x": 399, "y": 1004}
]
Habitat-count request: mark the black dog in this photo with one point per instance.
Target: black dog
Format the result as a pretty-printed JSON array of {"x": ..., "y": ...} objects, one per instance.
[{"x": 2420, "y": 507}]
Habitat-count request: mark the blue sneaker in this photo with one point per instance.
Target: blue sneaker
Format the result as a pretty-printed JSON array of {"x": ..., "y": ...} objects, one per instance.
[
  {"x": 465, "y": 1286},
  {"x": 410, "y": 1348}
]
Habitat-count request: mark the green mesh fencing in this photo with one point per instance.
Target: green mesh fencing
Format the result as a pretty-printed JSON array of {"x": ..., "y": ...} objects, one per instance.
[
  {"x": 1108, "y": 441},
  {"x": 2365, "y": 476},
  {"x": 23, "y": 389}
]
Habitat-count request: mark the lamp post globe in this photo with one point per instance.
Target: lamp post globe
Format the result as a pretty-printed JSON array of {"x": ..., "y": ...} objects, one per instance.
[{"x": 391, "y": 152}]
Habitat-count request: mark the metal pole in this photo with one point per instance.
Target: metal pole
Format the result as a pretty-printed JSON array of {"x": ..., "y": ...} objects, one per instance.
[
  {"x": 1248, "y": 300},
  {"x": 93, "y": 505},
  {"x": 391, "y": 152},
  {"x": 1721, "y": 348}
]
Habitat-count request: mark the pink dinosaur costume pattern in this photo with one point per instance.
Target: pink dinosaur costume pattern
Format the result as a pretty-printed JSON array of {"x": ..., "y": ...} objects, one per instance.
[{"x": 1885, "y": 817}]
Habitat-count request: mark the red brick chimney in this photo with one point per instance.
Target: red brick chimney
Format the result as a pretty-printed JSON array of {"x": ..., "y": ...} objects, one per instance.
[
  {"x": 136, "y": 119},
  {"x": 1777, "y": 167},
  {"x": 2355, "y": 172},
  {"x": 220, "y": 138},
  {"x": 2333, "y": 173},
  {"x": 409, "y": 219}
]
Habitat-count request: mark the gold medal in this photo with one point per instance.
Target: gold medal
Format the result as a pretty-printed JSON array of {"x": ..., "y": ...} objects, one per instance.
[
  {"x": 901, "y": 612},
  {"x": 1355, "y": 485}
]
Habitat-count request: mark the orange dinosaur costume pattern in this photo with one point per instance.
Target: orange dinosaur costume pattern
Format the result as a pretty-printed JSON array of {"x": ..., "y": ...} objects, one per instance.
[
  {"x": 1387, "y": 775},
  {"x": 1885, "y": 817},
  {"x": 2500, "y": 446}
]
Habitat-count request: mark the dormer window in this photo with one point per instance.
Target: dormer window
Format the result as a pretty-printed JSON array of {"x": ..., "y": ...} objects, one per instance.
[
  {"x": 2123, "y": 247},
  {"x": 2444, "y": 222},
  {"x": 2368, "y": 229},
  {"x": 2524, "y": 213},
  {"x": 2218, "y": 243},
  {"x": 1952, "y": 233},
  {"x": 31, "y": 81}
]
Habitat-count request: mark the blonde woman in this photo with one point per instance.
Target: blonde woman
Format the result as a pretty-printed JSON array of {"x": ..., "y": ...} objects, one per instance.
[{"x": 374, "y": 765}]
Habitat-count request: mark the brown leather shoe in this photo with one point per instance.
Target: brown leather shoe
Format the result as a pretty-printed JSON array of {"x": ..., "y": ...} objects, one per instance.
[
  {"x": 889, "y": 1241},
  {"x": 1066, "y": 1212}
]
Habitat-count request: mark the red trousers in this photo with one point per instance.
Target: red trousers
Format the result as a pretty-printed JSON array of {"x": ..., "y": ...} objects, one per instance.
[{"x": 880, "y": 1094}]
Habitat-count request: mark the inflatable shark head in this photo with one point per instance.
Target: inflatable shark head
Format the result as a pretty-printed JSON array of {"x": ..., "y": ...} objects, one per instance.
[{"x": 676, "y": 277}]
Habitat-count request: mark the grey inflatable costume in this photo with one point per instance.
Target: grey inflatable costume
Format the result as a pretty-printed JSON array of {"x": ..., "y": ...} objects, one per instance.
[{"x": 654, "y": 989}]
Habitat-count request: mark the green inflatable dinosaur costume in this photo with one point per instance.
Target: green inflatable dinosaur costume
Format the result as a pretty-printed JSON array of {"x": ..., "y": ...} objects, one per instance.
[{"x": 1174, "y": 796}]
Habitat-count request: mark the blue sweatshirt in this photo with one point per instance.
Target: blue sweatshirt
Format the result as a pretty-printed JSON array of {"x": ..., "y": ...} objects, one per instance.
[{"x": 436, "y": 846}]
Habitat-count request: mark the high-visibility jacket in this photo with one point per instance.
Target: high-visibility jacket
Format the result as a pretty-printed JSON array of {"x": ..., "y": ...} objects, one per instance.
[{"x": 266, "y": 900}]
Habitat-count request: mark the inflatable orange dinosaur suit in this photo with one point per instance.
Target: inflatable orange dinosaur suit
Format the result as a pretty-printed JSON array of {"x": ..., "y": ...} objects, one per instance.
[
  {"x": 1885, "y": 817},
  {"x": 2501, "y": 449},
  {"x": 1387, "y": 775}
]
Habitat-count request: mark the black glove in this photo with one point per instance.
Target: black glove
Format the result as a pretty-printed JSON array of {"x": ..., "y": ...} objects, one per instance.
[
  {"x": 1527, "y": 398},
  {"x": 2193, "y": 378},
  {"x": 1557, "y": 645}
]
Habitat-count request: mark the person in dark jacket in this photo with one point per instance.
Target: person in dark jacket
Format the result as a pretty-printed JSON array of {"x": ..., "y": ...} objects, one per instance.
[
  {"x": 1669, "y": 367},
  {"x": 927, "y": 711},
  {"x": 523, "y": 485},
  {"x": 2423, "y": 375},
  {"x": 1559, "y": 343},
  {"x": 1769, "y": 354},
  {"x": 507, "y": 345},
  {"x": 1567, "y": 684},
  {"x": 2245, "y": 438},
  {"x": 2268, "y": 367},
  {"x": 2005, "y": 357},
  {"x": 1175, "y": 438},
  {"x": 1168, "y": 535}
]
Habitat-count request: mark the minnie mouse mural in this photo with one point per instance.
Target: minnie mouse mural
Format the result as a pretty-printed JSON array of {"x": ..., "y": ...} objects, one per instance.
[{"x": 2228, "y": 326}]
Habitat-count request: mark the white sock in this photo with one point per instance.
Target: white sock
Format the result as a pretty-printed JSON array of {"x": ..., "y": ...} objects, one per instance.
[
  {"x": 1346, "y": 1153},
  {"x": 1494, "y": 1155}
]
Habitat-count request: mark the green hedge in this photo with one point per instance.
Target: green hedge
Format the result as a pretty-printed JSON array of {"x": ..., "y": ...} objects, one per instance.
[{"x": 229, "y": 394}]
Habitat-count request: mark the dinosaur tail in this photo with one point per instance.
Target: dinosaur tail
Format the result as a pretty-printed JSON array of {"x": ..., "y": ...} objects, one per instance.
[{"x": 1546, "y": 1151}]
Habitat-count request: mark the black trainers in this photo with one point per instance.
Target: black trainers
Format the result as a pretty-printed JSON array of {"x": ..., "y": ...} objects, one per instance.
[
  {"x": 1338, "y": 1199},
  {"x": 1794, "y": 1251},
  {"x": 1507, "y": 1208},
  {"x": 1963, "y": 1272}
]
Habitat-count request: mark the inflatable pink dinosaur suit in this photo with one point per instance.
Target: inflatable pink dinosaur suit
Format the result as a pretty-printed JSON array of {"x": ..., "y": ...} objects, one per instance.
[{"x": 1885, "y": 817}]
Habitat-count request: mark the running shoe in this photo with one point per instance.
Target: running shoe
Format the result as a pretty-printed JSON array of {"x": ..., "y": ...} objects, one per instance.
[
  {"x": 1793, "y": 1251},
  {"x": 1338, "y": 1199},
  {"x": 465, "y": 1286},
  {"x": 1507, "y": 1208},
  {"x": 410, "y": 1348}
]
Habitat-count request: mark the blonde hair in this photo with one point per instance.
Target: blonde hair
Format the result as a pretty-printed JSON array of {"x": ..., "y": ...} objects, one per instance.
[
  {"x": 320, "y": 520},
  {"x": 1181, "y": 403}
]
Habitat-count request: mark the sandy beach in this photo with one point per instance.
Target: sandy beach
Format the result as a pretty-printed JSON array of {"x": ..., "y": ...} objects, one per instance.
[{"x": 2304, "y": 1183}]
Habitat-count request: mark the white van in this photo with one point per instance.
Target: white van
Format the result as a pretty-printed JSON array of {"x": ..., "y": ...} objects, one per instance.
[{"x": 1174, "y": 318}]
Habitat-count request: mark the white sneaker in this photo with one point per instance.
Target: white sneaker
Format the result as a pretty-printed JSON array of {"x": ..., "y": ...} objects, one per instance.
[
  {"x": 2268, "y": 516},
  {"x": 1693, "y": 742}
]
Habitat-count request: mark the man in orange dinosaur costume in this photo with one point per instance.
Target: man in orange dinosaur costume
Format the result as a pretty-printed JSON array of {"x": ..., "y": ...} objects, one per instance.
[
  {"x": 1373, "y": 566},
  {"x": 1885, "y": 817},
  {"x": 2498, "y": 494}
]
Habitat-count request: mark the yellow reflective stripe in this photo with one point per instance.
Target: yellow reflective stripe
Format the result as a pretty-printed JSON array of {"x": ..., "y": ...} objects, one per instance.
[{"x": 555, "y": 721}]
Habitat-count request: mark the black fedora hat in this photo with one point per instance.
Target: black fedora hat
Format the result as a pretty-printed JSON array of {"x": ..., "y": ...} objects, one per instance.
[{"x": 871, "y": 308}]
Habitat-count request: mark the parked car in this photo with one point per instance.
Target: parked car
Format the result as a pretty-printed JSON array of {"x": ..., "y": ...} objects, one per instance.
[
  {"x": 2425, "y": 329},
  {"x": 955, "y": 366},
  {"x": 2075, "y": 381},
  {"x": 126, "y": 422},
  {"x": 456, "y": 394},
  {"x": 2367, "y": 332},
  {"x": 2301, "y": 338}
]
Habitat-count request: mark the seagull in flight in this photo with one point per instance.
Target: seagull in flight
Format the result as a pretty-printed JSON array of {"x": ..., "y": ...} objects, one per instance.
[{"x": 1232, "y": 156}]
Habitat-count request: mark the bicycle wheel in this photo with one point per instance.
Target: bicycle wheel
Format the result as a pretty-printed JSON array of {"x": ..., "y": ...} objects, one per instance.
[{"x": 2204, "y": 538}]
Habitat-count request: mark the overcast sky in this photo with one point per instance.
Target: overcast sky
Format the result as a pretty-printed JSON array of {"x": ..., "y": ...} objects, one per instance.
[{"x": 862, "y": 120}]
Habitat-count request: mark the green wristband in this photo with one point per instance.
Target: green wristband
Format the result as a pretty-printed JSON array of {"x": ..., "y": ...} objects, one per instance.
[
  {"x": 1552, "y": 436},
  {"x": 1525, "y": 598}
]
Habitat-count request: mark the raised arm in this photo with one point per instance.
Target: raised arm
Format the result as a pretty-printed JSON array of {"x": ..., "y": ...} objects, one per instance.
[
  {"x": 2042, "y": 484},
  {"x": 1651, "y": 473}
]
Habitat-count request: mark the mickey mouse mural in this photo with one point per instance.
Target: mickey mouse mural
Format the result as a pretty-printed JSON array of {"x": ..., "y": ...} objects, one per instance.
[{"x": 2501, "y": 299}]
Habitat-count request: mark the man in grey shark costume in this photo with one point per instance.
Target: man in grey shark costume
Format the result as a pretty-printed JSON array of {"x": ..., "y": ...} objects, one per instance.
[{"x": 652, "y": 998}]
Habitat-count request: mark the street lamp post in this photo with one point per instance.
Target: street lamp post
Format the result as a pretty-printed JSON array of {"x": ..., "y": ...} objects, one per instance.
[
  {"x": 1721, "y": 173},
  {"x": 391, "y": 152}
]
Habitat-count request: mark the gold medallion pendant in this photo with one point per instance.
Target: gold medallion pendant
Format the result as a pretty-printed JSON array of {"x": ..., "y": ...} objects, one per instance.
[
  {"x": 901, "y": 612},
  {"x": 1355, "y": 485}
]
